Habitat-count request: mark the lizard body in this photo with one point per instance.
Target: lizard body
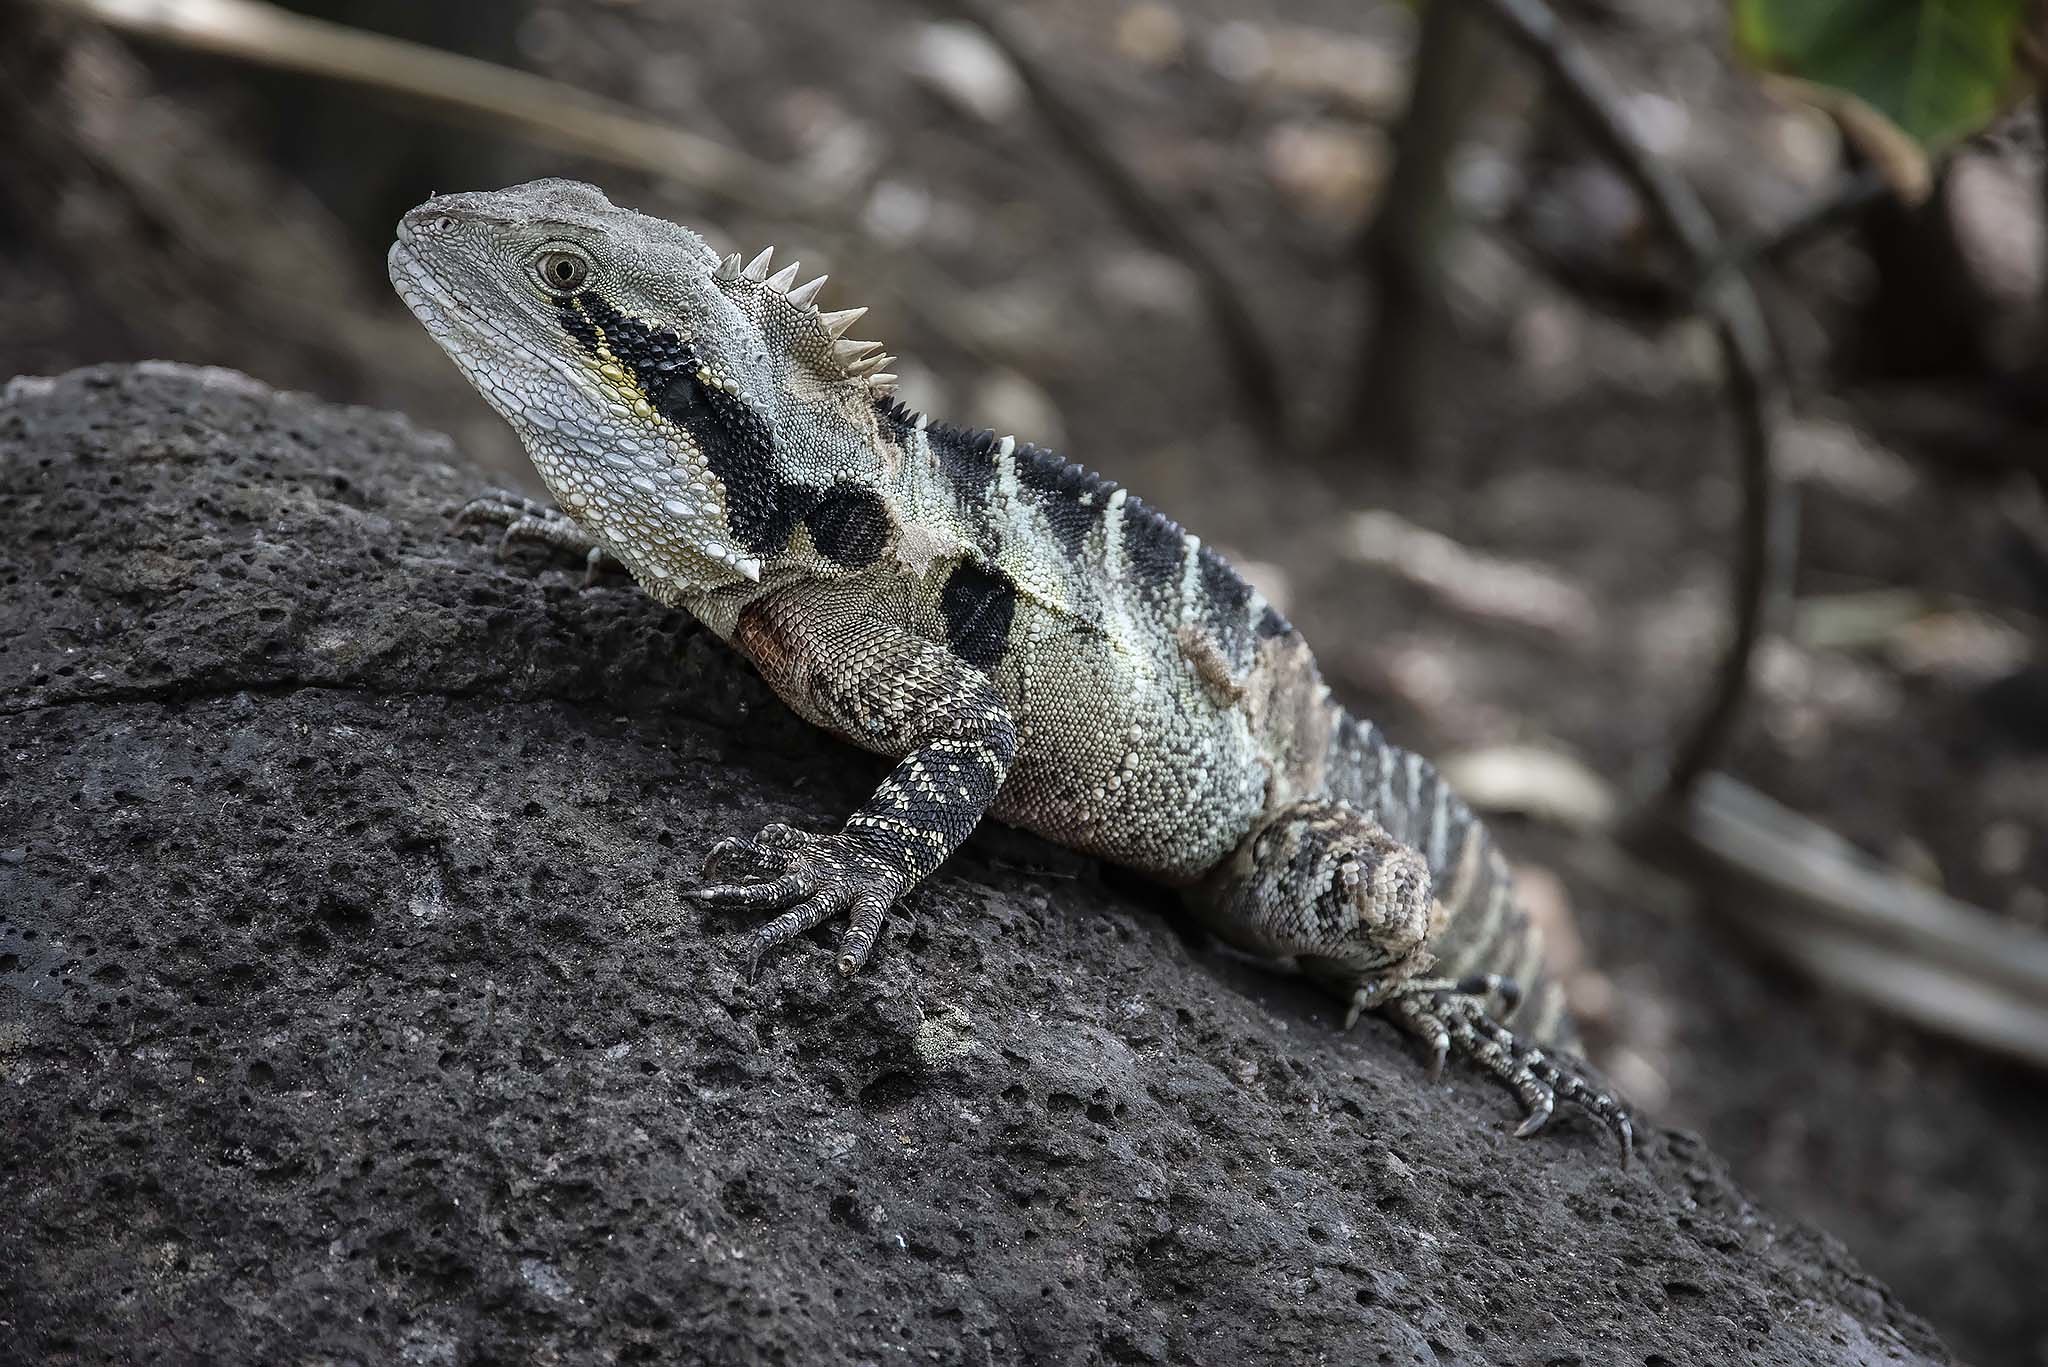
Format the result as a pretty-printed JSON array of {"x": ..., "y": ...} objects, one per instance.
[{"x": 1028, "y": 640}]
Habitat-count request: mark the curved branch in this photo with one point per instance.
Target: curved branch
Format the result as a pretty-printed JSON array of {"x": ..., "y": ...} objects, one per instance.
[
  {"x": 547, "y": 111},
  {"x": 1409, "y": 328},
  {"x": 1726, "y": 296},
  {"x": 1852, "y": 192}
]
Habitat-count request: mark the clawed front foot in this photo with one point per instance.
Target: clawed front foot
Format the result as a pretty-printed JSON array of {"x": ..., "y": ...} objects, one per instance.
[
  {"x": 809, "y": 879},
  {"x": 1451, "y": 1017},
  {"x": 526, "y": 520}
]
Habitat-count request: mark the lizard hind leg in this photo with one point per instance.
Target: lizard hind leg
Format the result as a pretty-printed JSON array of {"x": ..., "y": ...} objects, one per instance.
[
  {"x": 1322, "y": 883},
  {"x": 1325, "y": 884}
]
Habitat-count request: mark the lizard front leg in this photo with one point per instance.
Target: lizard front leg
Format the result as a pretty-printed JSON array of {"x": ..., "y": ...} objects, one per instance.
[{"x": 890, "y": 690}]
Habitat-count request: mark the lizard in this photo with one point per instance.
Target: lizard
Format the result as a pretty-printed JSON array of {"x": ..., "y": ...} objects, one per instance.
[{"x": 1025, "y": 639}]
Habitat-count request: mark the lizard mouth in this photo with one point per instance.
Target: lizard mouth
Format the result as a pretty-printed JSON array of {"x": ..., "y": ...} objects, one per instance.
[{"x": 422, "y": 290}]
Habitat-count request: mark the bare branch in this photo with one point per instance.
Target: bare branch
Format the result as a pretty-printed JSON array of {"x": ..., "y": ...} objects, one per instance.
[
  {"x": 1409, "y": 329},
  {"x": 1932, "y": 995},
  {"x": 1254, "y": 362},
  {"x": 1863, "y": 928},
  {"x": 1514, "y": 592},
  {"x": 1840, "y": 916},
  {"x": 1852, "y": 192},
  {"x": 548, "y": 112},
  {"x": 1726, "y": 296}
]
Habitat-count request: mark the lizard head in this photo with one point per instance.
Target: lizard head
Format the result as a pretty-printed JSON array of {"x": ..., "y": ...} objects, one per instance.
[{"x": 671, "y": 400}]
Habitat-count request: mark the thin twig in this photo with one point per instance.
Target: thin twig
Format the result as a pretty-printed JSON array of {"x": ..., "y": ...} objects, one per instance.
[
  {"x": 548, "y": 112},
  {"x": 1726, "y": 296},
  {"x": 1852, "y": 192},
  {"x": 1254, "y": 362}
]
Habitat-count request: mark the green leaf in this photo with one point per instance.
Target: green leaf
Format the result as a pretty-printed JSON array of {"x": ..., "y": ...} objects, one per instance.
[{"x": 1939, "y": 69}]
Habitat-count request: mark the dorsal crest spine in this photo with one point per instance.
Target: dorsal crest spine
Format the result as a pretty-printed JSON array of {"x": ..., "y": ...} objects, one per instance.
[{"x": 837, "y": 356}]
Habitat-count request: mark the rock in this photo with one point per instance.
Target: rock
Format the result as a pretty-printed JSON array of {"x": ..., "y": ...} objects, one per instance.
[{"x": 349, "y": 1012}]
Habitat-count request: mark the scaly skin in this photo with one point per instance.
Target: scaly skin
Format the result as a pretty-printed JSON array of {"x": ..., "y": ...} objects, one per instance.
[{"x": 1029, "y": 641}]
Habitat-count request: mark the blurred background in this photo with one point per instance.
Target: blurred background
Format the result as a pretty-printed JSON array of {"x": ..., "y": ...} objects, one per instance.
[{"x": 1346, "y": 288}]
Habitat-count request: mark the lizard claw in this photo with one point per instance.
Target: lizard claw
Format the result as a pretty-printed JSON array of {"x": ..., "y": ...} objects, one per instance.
[
  {"x": 502, "y": 508},
  {"x": 1543, "y": 1103},
  {"x": 808, "y": 879},
  {"x": 1439, "y": 1054},
  {"x": 526, "y": 520},
  {"x": 1449, "y": 1018}
]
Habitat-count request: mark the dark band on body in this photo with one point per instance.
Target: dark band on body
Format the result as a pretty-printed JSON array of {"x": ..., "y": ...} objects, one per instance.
[
  {"x": 850, "y": 526},
  {"x": 978, "y": 605}
]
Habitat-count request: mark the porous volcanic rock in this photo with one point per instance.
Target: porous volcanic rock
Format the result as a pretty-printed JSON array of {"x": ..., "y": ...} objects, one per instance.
[{"x": 349, "y": 1012}]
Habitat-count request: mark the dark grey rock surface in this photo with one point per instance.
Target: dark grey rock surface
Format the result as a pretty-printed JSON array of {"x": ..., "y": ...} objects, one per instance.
[{"x": 349, "y": 1012}]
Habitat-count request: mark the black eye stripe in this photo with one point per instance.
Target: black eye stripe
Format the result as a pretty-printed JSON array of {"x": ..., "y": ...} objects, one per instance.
[{"x": 735, "y": 435}]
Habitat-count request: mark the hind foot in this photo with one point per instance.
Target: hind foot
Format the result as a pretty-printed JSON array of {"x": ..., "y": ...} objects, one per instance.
[{"x": 1452, "y": 1019}]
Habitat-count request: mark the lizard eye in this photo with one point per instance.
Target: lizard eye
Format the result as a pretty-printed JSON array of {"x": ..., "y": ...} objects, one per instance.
[{"x": 560, "y": 271}]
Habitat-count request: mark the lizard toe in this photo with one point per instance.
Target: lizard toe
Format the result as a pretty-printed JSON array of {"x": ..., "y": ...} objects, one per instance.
[
  {"x": 738, "y": 857},
  {"x": 527, "y": 522},
  {"x": 499, "y": 507},
  {"x": 814, "y": 910},
  {"x": 870, "y": 911},
  {"x": 1542, "y": 1102},
  {"x": 1570, "y": 1084},
  {"x": 775, "y": 893}
]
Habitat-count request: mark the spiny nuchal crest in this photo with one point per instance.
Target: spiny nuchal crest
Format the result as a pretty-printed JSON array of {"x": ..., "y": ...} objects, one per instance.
[{"x": 686, "y": 410}]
